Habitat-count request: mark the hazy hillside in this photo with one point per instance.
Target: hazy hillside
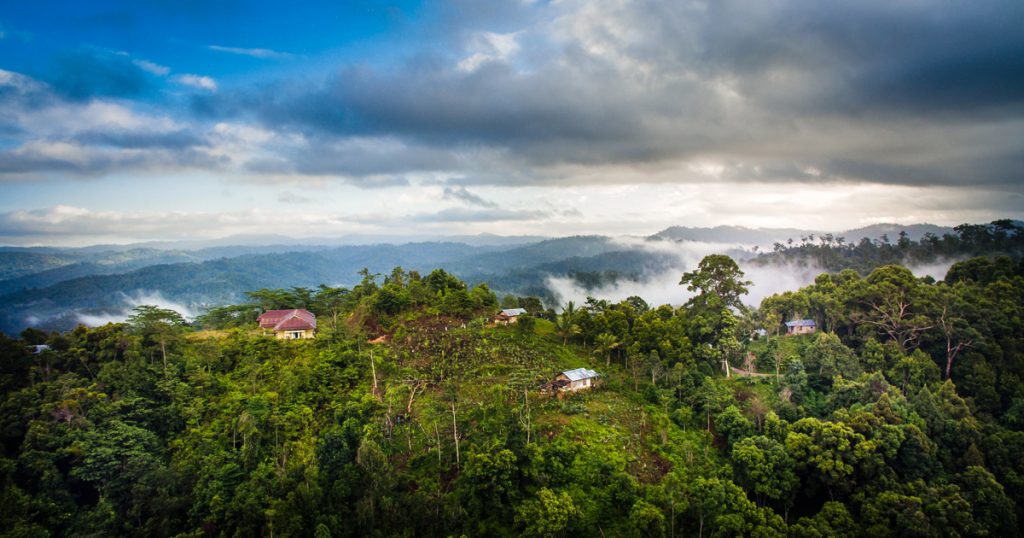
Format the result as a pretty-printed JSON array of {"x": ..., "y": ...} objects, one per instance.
[
  {"x": 56, "y": 288},
  {"x": 729, "y": 234},
  {"x": 914, "y": 231}
]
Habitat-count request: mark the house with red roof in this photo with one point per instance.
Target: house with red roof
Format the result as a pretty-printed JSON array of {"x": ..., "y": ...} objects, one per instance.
[{"x": 295, "y": 324}]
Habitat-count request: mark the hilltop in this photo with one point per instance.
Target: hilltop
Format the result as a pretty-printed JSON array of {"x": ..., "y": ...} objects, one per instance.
[{"x": 412, "y": 413}]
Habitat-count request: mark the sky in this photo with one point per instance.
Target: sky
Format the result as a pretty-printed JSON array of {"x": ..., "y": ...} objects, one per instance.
[{"x": 163, "y": 120}]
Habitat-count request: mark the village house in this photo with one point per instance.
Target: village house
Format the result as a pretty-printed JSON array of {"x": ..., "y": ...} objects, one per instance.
[
  {"x": 508, "y": 315},
  {"x": 800, "y": 326},
  {"x": 575, "y": 380},
  {"x": 295, "y": 324}
]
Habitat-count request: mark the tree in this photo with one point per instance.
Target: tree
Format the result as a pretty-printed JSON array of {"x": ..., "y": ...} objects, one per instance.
[
  {"x": 548, "y": 515},
  {"x": 832, "y": 521},
  {"x": 895, "y": 303},
  {"x": 825, "y": 451},
  {"x": 160, "y": 324},
  {"x": 958, "y": 334},
  {"x": 993, "y": 511},
  {"x": 766, "y": 469},
  {"x": 716, "y": 275},
  {"x": 565, "y": 323},
  {"x": 605, "y": 344}
]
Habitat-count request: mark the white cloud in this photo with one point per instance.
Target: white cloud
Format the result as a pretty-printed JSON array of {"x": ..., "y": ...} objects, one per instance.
[
  {"x": 151, "y": 67},
  {"x": 489, "y": 47},
  {"x": 136, "y": 298},
  {"x": 253, "y": 52},
  {"x": 196, "y": 81}
]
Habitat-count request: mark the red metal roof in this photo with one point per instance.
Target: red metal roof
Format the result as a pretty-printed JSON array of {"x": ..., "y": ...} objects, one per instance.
[{"x": 288, "y": 320}]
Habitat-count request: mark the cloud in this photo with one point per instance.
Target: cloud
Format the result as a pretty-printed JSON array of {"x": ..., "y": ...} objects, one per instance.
[
  {"x": 463, "y": 195},
  {"x": 130, "y": 302},
  {"x": 288, "y": 197},
  {"x": 489, "y": 47},
  {"x": 461, "y": 214},
  {"x": 263, "y": 54},
  {"x": 760, "y": 92},
  {"x": 151, "y": 67},
  {"x": 54, "y": 134},
  {"x": 142, "y": 139},
  {"x": 196, "y": 81},
  {"x": 72, "y": 225}
]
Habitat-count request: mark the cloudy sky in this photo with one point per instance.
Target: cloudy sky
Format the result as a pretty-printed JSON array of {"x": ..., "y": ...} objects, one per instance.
[{"x": 129, "y": 121}]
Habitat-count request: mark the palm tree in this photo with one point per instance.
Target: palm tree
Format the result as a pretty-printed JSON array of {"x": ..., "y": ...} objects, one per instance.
[
  {"x": 606, "y": 343},
  {"x": 565, "y": 324}
]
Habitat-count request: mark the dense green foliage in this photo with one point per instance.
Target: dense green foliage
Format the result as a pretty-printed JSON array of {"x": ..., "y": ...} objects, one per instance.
[
  {"x": 902, "y": 416},
  {"x": 833, "y": 253}
]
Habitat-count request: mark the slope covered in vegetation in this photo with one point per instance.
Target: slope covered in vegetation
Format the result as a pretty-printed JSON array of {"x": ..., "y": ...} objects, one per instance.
[{"x": 902, "y": 415}]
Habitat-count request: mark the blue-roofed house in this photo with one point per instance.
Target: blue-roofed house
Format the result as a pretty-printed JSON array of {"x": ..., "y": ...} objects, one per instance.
[
  {"x": 800, "y": 326},
  {"x": 574, "y": 380}
]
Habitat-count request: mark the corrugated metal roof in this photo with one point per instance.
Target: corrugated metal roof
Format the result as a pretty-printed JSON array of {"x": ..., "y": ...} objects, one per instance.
[
  {"x": 510, "y": 312},
  {"x": 580, "y": 374},
  {"x": 283, "y": 320},
  {"x": 801, "y": 323}
]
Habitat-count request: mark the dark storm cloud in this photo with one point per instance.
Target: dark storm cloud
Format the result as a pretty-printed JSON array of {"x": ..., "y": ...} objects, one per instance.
[
  {"x": 914, "y": 59},
  {"x": 765, "y": 88}
]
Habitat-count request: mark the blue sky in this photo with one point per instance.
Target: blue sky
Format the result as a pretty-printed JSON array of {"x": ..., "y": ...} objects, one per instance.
[{"x": 131, "y": 121}]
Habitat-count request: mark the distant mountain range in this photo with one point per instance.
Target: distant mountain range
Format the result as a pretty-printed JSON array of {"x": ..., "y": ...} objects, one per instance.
[
  {"x": 57, "y": 287},
  {"x": 766, "y": 236}
]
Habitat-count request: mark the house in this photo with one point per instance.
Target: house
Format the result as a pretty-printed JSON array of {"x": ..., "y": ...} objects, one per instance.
[
  {"x": 800, "y": 326},
  {"x": 39, "y": 348},
  {"x": 508, "y": 315},
  {"x": 574, "y": 380},
  {"x": 289, "y": 324}
]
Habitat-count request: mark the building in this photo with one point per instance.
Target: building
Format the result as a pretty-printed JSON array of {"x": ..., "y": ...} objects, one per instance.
[
  {"x": 800, "y": 326},
  {"x": 574, "y": 380},
  {"x": 509, "y": 315},
  {"x": 293, "y": 324}
]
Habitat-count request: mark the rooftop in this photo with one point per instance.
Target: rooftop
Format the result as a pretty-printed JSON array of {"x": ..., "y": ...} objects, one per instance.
[{"x": 580, "y": 374}]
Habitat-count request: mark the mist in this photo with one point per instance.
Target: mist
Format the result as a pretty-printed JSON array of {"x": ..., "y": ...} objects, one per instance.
[
  {"x": 130, "y": 302},
  {"x": 662, "y": 286}
]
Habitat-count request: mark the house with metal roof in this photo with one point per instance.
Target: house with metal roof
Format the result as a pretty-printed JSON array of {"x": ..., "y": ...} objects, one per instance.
[
  {"x": 294, "y": 324},
  {"x": 800, "y": 326},
  {"x": 574, "y": 380},
  {"x": 508, "y": 315}
]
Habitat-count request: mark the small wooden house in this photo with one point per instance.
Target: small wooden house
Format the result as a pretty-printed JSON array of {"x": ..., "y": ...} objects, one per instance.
[
  {"x": 575, "y": 380},
  {"x": 296, "y": 324},
  {"x": 508, "y": 315},
  {"x": 800, "y": 326}
]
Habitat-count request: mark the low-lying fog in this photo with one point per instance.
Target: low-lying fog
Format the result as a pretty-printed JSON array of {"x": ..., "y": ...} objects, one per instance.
[
  {"x": 662, "y": 287},
  {"x": 129, "y": 302}
]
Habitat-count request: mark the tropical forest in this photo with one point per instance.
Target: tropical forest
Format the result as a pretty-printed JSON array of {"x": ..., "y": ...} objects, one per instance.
[{"x": 897, "y": 411}]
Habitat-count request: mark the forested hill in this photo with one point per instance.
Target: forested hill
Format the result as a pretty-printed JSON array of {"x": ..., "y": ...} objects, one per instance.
[
  {"x": 902, "y": 415},
  {"x": 834, "y": 253},
  {"x": 58, "y": 288}
]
